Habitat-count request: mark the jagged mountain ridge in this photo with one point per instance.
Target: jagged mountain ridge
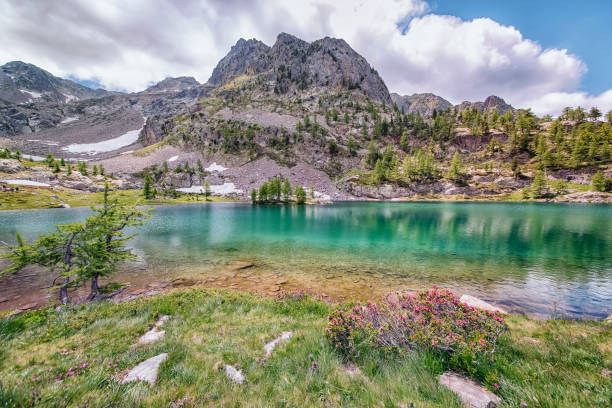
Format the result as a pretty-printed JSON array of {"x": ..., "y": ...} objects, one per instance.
[
  {"x": 296, "y": 64},
  {"x": 22, "y": 83}
]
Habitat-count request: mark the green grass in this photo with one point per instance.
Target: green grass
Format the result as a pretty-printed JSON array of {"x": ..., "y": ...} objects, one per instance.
[
  {"x": 30, "y": 198},
  {"x": 562, "y": 370}
]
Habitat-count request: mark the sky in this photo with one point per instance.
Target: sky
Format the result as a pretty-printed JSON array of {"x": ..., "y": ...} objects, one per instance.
[{"x": 541, "y": 54}]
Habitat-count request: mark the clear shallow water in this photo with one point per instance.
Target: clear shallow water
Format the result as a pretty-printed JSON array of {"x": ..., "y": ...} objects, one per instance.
[{"x": 528, "y": 257}]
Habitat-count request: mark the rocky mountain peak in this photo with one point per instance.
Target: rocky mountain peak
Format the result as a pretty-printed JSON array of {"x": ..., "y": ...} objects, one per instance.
[
  {"x": 424, "y": 103},
  {"x": 245, "y": 57},
  {"x": 173, "y": 84},
  {"x": 295, "y": 64},
  {"x": 491, "y": 103}
]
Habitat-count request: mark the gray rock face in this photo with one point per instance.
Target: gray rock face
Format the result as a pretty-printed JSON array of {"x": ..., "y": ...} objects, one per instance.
[
  {"x": 22, "y": 83},
  {"x": 472, "y": 394},
  {"x": 296, "y": 64},
  {"x": 424, "y": 104}
]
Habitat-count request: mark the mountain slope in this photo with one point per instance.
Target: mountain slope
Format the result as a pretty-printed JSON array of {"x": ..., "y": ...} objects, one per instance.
[{"x": 22, "y": 83}]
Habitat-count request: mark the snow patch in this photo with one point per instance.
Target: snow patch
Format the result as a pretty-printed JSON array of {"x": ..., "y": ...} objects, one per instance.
[
  {"x": 33, "y": 95},
  {"x": 70, "y": 98},
  {"x": 34, "y": 158},
  {"x": 215, "y": 167},
  {"x": 173, "y": 158},
  {"x": 20, "y": 182},
  {"x": 220, "y": 189},
  {"x": 69, "y": 119},
  {"x": 127, "y": 152},
  {"x": 109, "y": 145}
]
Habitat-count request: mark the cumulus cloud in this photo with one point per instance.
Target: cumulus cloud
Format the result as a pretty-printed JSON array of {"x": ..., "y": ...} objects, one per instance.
[{"x": 129, "y": 45}]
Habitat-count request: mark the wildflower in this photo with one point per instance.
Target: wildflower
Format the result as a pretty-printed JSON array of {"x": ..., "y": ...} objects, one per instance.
[
  {"x": 523, "y": 404},
  {"x": 496, "y": 386}
]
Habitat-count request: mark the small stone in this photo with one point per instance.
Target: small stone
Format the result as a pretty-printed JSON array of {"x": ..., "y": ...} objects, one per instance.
[
  {"x": 271, "y": 345},
  {"x": 531, "y": 340},
  {"x": 29, "y": 306},
  {"x": 154, "y": 334},
  {"x": 472, "y": 394},
  {"x": 606, "y": 373},
  {"x": 275, "y": 289},
  {"x": 480, "y": 304},
  {"x": 281, "y": 282},
  {"x": 146, "y": 371},
  {"x": 233, "y": 374}
]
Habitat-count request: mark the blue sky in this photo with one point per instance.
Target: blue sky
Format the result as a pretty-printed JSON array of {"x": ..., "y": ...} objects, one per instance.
[{"x": 584, "y": 28}]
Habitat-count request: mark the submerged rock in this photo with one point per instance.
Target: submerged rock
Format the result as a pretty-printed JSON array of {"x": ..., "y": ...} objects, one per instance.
[
  {"x": 481, "y": 304},
  {"x": 146, "y": 371},
  {"x": 472, "y": 394}
]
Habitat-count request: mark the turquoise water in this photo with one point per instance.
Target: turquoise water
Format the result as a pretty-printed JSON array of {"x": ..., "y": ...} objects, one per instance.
[{"x": 534, "y": 258}]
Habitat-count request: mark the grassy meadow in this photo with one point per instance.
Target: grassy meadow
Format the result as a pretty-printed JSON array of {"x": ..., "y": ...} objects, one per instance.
[{"x": 75, "y": 357}]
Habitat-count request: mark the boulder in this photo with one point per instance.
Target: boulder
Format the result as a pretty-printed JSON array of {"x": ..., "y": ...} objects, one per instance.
[
  {"x": 77, "y": 181},
  {"x": 472, "y": 394},
  {"x": 146, "y": 371},
  {"x": 10, "y": 166},
  {"x": 480, "y": 304}
]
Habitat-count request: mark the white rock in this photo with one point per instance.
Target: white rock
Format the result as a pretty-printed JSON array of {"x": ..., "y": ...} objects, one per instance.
[
  {"x": 146, "y": 371},
  {"x": 472, "y": 394},
  {"x": 154, "y": 334},
  {"x": 233, "y": 374},
  {"x": 481, "y": 304},
  {"x": 271, "y": 345}
]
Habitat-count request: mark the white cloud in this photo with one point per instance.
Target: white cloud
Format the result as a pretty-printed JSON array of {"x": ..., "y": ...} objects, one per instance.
[{"x": 128, "y": 45}]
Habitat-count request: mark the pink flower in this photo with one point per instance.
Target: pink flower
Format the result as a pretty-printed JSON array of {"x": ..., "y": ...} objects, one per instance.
[
  {"x": 523, "y": 404},
  {"x": 496, "y": 386}
]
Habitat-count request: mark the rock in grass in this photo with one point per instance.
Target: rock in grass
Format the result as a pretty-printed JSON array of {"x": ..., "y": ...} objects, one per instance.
[
  {"x": 472, "y": 394},
  {"x": 480, "y": 304},
  {"x": 146, "y": 371},
  {"x": 271, "y": 345},
  {"x": 154, "y": 334},
  {"x": 233, "y": 374}
]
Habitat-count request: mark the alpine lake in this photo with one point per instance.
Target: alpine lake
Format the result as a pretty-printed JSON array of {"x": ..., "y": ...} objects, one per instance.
[{"x": 539, "y": 259}]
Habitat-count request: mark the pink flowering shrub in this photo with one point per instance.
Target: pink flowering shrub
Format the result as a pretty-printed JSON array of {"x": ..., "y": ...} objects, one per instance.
[{"x": 435, "y": 319}]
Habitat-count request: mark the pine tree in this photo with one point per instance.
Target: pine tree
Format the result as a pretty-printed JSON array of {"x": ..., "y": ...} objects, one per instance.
[
  {"x": 254, "y": 196},
  {"x": 300, "y": 195},
  {"x": 146, "y": 189},
  {"x": 206, "y": 191},
  {"x": 352, "y": 146},
  {"x": 94, "y": 171},
  {"x": 62, "y": 162},
  {"x": 286, "y": 190},
  {"x": 539, "y": 187},
  {"x": 455, "y": 172}
]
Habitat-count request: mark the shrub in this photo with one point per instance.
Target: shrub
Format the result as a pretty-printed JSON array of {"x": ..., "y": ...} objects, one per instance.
[{"x": 433, "y": 320}]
